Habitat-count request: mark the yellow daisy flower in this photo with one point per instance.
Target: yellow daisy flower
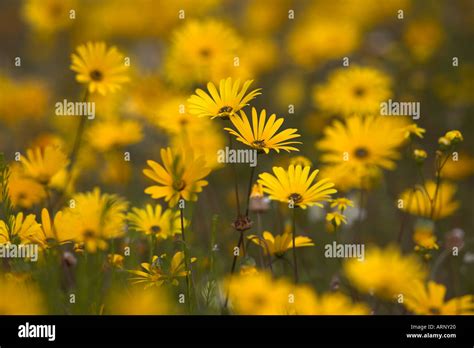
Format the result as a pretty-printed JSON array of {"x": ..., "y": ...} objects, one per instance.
[
  {"x": 179, "y": 177},
  {"x": 353, "y": 90},
  {"x": 93, "y": 219},
  {"x": 24, "y": 230},
  {"x": 223, "y": 103},
  {"x": 413, "y": 129},
  {"x": 162, "y": 224},
  {"x": 454, "y": 136},
  {"x": 296, "y": 186},
  {"x": 430, "y": 299},
  {"x": 424, "y": 238},
  {"x": 20, "y": 298},
  {"x": 43, "y": 164},
  {"x": 106, "y": 135},
  {"x": 24, "y": 192},
  {"x": 384, "y": 272},
  {"x": 192, "y": 60},
  {"x": 342, "y": 203},
  {"x": 336, "y": 218},
  {"x": 362, "y": 143},
  {"x": 48, "y": 16},
  {"x": 421, "y": 200},
  {"x": 257, "y": 294},
  {"x": 102, "y": 69},
  {"x": 307, "y": 302},
  {"x": 159, "y": 272},
  {"x": 262, "y": 134},
  {"x": 278, "y": 245}
]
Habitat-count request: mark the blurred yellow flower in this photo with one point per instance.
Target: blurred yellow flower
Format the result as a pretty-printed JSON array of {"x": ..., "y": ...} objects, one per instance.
[
  {"x": 307, "y": 302},
  {"x": 353, "y": 90},
  {"x": 24, "y": 192},
  {"x": 362, "y": 143},
  {"x": 347, "y": 177},
  {"x": 43, "y": 164},
  {"x": 20, "y": 298},
  {"x": 300, "y": 160},
  {"x": 180, "y": 177},
  {"x": 257, "y": 294},
  {"x": 49, "y": 16},
  {"x": 278, "y": 245},
  {"x": 224, "y": 103},
  {"x": 341, "y": 203},
  {"x": 429, "y": 299},
  {"x": 160, "y": 272},
  {"x": 454, "y": 136},
  {"x": 115, "y": 260},
  {"x": 102, "y": 69},
  {"x": 137, "y": 301},
  {"x": 460, "y": 169},
  {"x": 173, "y": 117},
  {"x": 420, "y": 155},
  {"x": 429, "y": 202},
  {"x": 155, "y": 221},
  {"x": 413, "y": 129},
  {"x": 263, "y": 134},
  {"x": 384, "y": 272},
  {"x": 106, "y": 135},
  {"x": 192, "y": 59},
  {"x": 315, "y": 41},
  {"x": 92, "y": 218},
  {"x": 25, "y": 229},
  {"x": 14, "y": 92},
  {"x": 424, "y": 238},
  {"x": 423, "y": 37},
  {"x": 295, "y": 186}
]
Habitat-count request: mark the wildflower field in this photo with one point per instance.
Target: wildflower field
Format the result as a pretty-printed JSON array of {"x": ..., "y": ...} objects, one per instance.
[{"x": 260, "y": 157}]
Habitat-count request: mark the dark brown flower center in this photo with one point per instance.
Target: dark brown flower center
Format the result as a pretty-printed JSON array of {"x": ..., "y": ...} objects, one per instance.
[
  {"x": 434, "y": 311},
  {"x": 259, "y": 143},
  {"x": 225, "y": 110},
  {"x": 295, "y": 198},
  {"x": 96, "y": 75},
  {"x": 359, "y": 91},
  {"x": 179, "y": 185},
  {"x": 205, "y": 52},
  {"x": 361, "y": 152},
  {"x": 89, "y": 234},
  {"x": 155, "y": 229}
]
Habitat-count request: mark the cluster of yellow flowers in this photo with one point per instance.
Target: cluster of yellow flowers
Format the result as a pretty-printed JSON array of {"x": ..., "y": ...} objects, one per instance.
[{"x": 147, "y": 257}]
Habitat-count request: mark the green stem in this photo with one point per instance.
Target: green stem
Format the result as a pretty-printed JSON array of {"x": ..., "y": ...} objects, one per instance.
[{"x": 295, "y": 264}]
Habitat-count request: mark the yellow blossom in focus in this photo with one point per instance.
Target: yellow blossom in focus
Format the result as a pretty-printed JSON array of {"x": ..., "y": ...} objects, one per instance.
[
  {"x": 155, "y": 221},
  {"x": 224, "y": 103},
  {"x": 263, "y": 134},
  {"x": 413, "y": 129},
  {"x": 278, "y": 245},
  {"x": 25, "y": 229},
  {"x": 454, "y": 136},
  {"x": 296, "y": 186},
  {"x": 159, "y": 271},
  {"x": 341, "y": 203}
]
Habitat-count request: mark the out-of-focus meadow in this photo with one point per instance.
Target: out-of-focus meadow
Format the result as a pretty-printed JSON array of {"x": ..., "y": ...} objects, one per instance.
[{"x": 134, "y": 207}]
